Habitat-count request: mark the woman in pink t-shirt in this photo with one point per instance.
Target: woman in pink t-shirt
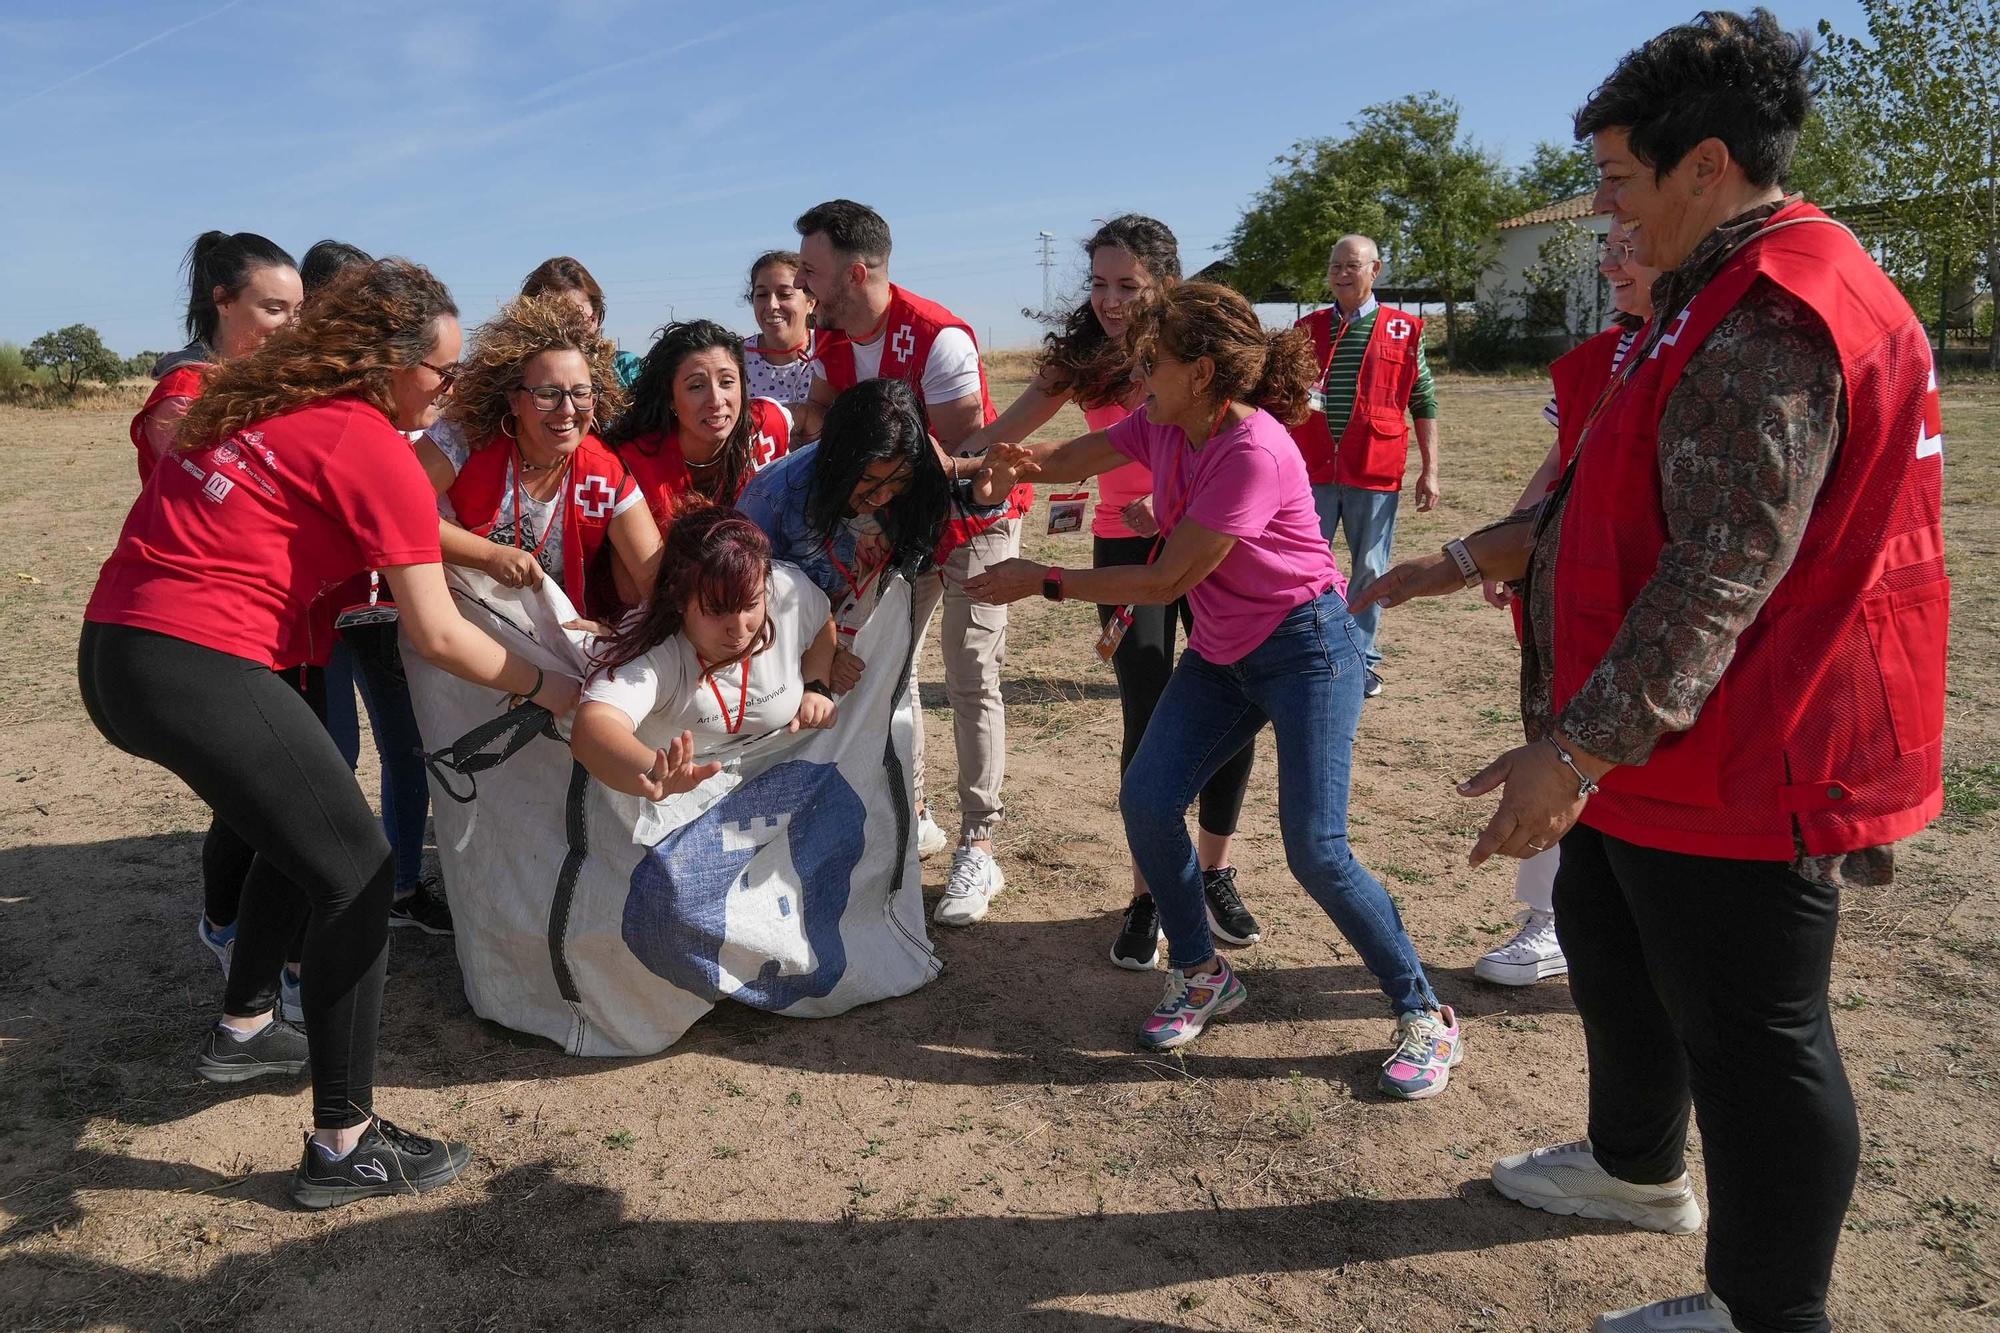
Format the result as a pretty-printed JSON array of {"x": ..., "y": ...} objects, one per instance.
[
  {"x": 1089, "y": 363},
  {"x": 1272, "y": 642}
]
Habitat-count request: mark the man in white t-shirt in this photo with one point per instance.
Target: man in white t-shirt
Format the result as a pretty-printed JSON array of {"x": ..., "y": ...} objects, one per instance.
[{"x": 896, "y": 334}]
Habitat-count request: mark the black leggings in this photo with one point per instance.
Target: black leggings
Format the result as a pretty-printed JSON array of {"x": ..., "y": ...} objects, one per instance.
[
  {"x": 249, "y": 745},
  {"x": 225, "y": 856},
  {"x": 1143, "y": 662},
  {"x": 1706, "y": 979}
]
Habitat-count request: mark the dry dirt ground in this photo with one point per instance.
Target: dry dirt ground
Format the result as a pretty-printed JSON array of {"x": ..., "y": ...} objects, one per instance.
[{"x": 992, "y": 1152}]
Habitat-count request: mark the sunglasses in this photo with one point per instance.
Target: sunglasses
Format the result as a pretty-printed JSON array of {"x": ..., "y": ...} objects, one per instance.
[{"x": 447, "y": 375}]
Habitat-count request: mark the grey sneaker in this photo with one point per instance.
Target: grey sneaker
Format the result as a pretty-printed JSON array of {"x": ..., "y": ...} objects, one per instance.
[
  {"x": 1566, "y": 1179},
  {"x": 1684, "y": 1314},
  {"x": 278, "y": 1048}
]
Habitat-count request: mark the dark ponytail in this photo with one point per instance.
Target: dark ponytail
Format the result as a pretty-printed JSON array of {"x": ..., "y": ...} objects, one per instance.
[{"x": 219, "y": 259}]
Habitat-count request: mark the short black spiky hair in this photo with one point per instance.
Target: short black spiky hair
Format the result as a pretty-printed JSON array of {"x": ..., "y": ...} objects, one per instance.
[
  {"x": 853, "y": 229},
  {"x": 1725, "y": 76}
]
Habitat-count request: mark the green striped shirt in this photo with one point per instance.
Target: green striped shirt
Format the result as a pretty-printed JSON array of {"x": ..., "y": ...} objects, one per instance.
[{"x": 1343, "y": 376}]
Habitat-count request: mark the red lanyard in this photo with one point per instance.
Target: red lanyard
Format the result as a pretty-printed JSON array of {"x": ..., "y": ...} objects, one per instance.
[
  {"x": 1334, "y": 351},
  {"x": 742, "y": 697},
  {"x": 521, "y": 513},
  {"x": 860, "y": 585}
]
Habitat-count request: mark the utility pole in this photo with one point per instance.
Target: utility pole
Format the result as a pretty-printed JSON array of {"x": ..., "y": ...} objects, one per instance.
[{"x": 1048, "y": 261}]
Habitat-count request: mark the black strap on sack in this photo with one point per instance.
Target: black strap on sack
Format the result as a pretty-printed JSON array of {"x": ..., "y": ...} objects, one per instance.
[{"x": 487, "y": 745}]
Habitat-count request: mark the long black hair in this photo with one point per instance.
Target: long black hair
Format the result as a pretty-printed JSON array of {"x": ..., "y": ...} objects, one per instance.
[
  {"x": 877, "y": 421},
  {"x": 219, "y": 259},
  {"x": 651, "y": 414},
  {"x": 1078, "y": 356}
]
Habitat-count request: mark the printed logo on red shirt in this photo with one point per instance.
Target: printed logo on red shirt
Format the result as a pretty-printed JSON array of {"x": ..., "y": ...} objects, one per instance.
[
  {"x": 1398, "y": 329},
  {"x": 595, "y": 497},
  {"x": 217, "y": 487}
]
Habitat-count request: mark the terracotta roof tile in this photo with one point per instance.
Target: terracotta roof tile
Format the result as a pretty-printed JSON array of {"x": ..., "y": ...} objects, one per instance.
[{"x": 1566, "y": 210}]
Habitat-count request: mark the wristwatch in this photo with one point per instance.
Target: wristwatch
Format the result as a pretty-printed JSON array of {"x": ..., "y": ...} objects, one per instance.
[
  {"x": 1052, "y": 583},
  {"x": 818, "y": 687},
  {"x": 1468, "y": 568}
]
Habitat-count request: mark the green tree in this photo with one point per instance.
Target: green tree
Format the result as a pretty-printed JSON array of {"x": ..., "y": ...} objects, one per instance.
[
  {"x": 1561, "y": 293},
  {"x": 73, "y": 355},
  {"x": 1403, "y": 175},
  {"x": 1919, "y": 103},
  {"x": 1554, "y": 172}
]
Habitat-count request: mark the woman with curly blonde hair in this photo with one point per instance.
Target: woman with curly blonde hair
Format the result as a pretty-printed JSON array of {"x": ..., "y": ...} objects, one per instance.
[
  {"x": 524, "y": 487},
  {"x": 291, "y": 476}
]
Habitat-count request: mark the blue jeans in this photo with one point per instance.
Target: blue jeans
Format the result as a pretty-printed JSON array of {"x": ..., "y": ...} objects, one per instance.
[
  {"x": 377, "y": 665},
  {"x": 1370, "y": 520},
  {"x": 1306, "y": 680}
]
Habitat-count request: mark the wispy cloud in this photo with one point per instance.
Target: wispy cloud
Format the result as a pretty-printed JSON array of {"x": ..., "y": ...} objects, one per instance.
[{"x": 81, "y": 74}]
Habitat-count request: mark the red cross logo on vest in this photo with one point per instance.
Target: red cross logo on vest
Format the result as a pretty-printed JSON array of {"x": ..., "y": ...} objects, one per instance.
[
  {"x": 762, "y": 448},
  {"x": 1930, "y": 431},
  {"x": 1672, "y": 335},
  {"x": 595, "y": 497},
  {"x": 1398, "y": 329},
  {"x": 903, "y": 343}
]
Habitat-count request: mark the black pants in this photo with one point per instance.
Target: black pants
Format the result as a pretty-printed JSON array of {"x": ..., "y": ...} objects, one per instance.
[
  {"x": 1706, "y": 978},
  {"x": 1142, "y": 664},
  {"x": 225, "y": 854},
  {"x": 249, "y": 745}
]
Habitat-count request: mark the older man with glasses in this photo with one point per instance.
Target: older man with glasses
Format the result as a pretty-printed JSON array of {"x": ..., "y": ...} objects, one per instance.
[{"x": 1355, "y": 440}]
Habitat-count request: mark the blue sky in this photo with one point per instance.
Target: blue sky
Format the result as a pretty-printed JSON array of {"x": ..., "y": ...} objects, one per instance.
[{"x": 666, "y": 144}]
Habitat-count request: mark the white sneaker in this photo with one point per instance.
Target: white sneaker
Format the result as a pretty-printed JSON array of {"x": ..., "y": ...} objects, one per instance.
[
  {"x": 930, "y": 838},
  {"x": 1566, "y": 1179},
  {"x": 1533, "y": 953},
  {"x": 975, "y": 880},
  {"x": 1684, "y": 1314}
]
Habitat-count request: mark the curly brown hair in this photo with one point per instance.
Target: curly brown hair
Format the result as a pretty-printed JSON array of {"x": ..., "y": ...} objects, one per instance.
[
  {"x": 370, "y": 320},
  {"x": 1079, "y": 357},
  {"x": 1274, "y": 371},
  {"x": 503, "y": 346}
]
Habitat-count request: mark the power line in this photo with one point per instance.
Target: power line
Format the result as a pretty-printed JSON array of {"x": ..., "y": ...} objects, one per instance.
[{"x": 1048, "y": 240}]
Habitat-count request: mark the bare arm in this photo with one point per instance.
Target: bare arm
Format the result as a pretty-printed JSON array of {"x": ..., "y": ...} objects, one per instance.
[
  {"x": 449, "y": 641},
  {"x": 1035, "y": 408},
  {"x": 603, "y": 741},
  {"x": 1428, "y": 493},
  {"x": 809, "y": 415},
  {"x": 638, "y": 546},
  {"x": 953, "y": 423},
  {"x": 1189, "y": 556},
  {"x": 818, "y": 659},
  {"x": 1501, "y": 551},
  {"x": 437, "y": 466},
  {"x": 1004, "y": 466}
]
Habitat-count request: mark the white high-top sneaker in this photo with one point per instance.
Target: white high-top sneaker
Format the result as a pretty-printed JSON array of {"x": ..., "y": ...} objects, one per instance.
[{"x": 1533, "y": 953}]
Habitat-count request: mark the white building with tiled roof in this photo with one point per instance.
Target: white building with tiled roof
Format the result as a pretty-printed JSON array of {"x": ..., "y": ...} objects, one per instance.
[{"x": 1521, "y": 241}]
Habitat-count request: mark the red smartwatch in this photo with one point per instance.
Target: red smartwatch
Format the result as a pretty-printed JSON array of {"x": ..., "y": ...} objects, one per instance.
[{"x": 1052, "y": 583}]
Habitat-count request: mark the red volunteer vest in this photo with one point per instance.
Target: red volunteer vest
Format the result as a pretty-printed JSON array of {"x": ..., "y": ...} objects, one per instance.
[
  {"x": 183, "y": 381},
  {"x": 911, "y": 325},
  {"x": 595, "y": 477},
  {"x": 1579, "y": 376},
  {"x": 662, "y": 474},
  {"x": 1828, "y": 725},
  {"x": 1375, "y": 448}
]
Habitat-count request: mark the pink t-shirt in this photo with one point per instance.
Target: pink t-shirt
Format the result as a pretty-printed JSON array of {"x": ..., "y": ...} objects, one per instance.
[
  {"x": 1247, "y": 482},
  {"x": 1121, "y": 485}
]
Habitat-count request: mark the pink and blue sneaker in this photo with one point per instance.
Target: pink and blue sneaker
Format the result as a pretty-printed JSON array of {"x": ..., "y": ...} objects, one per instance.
[
  {"x": 1190, "y": 1002},
  {"x": 1428, "y": 1044}
]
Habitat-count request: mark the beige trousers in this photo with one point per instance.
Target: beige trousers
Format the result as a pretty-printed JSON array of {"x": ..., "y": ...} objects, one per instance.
[{"x": 975, "y": 649}]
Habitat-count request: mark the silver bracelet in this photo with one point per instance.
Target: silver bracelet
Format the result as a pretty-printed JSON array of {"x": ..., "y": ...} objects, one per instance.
[
  {"x": 1585, "y": 786},
  {"x": 1468, "y": 568}
]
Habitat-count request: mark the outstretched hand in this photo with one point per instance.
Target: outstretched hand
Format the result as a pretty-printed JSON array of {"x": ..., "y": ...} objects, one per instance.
[
  {"x": 1538, "y": 802},
  {"x": 1007, "y": 581},
  {"x": 1426, "y": 576},
  {"x": 1005, "y": 467},
  {"x": 674, "y": 770}
]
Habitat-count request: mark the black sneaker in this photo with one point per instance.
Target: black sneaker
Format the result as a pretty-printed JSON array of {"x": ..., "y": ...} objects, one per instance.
[
  {"x": 386, "y": 1161},
  {"x": 1228, "y": 918},
  {"x": 1138, "y": 944},
  {"x": 1372, "y": 687},
  {"x": 278, "y": 1048},
  {"x": 426, "y": 909}
]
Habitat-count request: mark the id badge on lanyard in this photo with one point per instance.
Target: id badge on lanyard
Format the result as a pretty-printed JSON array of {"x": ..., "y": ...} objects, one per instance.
[{"x": 374, "y": 611}]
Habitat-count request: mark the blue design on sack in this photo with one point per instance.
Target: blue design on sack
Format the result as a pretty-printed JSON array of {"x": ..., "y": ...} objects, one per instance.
[{"x": 677, "y": 915}]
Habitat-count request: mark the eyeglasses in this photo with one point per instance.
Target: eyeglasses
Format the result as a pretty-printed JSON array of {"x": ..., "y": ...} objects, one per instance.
[
  {"x": 1618, "y": 252},
  {"x": 1351, "y": 266},
  {"x": 447, "y": 375},
  {"x": 548, "y": 397}
]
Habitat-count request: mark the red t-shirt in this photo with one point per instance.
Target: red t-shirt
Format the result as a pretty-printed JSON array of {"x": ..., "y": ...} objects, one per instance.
[{"x": 231, "y": 546}]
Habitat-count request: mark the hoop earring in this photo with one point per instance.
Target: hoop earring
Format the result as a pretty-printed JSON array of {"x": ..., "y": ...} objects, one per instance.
[{"x": 503, "y": 426}]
